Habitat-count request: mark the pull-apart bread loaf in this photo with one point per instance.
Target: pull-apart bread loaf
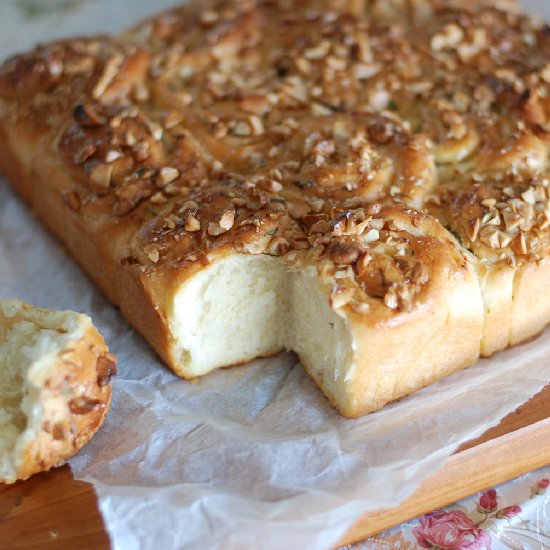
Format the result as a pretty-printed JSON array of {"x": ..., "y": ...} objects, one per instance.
[
  {"x": 55, "y": 373},
  {"x": 362, "y": 182}
]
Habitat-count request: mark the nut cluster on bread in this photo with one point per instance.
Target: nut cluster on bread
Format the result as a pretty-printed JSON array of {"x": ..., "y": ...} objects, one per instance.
[
  {"x": 55, "y": 390},
  {"x": 364, "y": 182}
]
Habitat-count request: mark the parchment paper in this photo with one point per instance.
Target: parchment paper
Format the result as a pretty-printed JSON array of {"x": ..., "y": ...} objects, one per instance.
[{"x": 247, "y": 457}]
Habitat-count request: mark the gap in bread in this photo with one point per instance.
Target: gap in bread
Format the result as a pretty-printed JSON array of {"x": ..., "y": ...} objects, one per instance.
[{"x": 242, "y": 307}]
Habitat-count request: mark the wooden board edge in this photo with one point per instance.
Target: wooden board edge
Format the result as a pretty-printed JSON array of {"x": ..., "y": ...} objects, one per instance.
[
  {"x": 531, "y": 412},
  {"x": 56, "y": 504},
  {"x": 463, "y": 474}
]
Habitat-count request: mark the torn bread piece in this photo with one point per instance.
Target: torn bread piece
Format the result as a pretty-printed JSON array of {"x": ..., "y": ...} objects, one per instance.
[{"x": 55, "y": 387}]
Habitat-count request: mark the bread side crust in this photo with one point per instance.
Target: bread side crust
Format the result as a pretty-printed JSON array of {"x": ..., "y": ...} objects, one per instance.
[
  {"x": 530, "y": 311},
  {"x": 438, "y": 339},
  {"x": 497, "y": 283},
  {"x": 42, "y": 182}
]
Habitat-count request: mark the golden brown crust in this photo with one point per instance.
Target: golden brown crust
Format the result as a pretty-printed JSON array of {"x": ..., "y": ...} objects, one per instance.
[
  {"x": 349, "y": 135},
  {"x": 414, "y": 292}
]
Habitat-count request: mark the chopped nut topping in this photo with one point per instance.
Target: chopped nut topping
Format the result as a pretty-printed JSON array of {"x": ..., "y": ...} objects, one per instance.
[
  {"x": 319, "y": 51},
  {"x": 490, "y": 237},
  {"x": 191, "y": 223},
  {"x": 363, "y": 71},
  {"x": 255, "y": 105},
  {"x": 298, "y": 209},
  {"x": 472, "y": 229},
  {"x": 227, "y": 220},
  {"x": 101, "y": 175},
  {"x": 152, "y": 252},
  {"x": 518, "y": 244},
  {"x": 109, "y": 72},
  {"x": 344, "y": 253},
  {"x": 340, "y": 297},
  {"x": 217, "y": 167},
  {"x": 451, "y": 36},
  {"x": 84, "y": 405},
  {"x": 371, "y": 236},
  {"x": 242, "y": 129},
  {"x": 158, "y": 198},
  {"x": 381, "y": 132},
  {"x": 168, "y": 175},
  {"x": 391, "y": 298},
  {"x": 511, "y": 220},
  {"x": 106, "y": 369},
  {"x": 256, "y": 125},
  {"x": 111, "y": 156}
]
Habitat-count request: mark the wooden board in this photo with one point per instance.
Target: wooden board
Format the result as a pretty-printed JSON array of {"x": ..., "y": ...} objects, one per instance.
[{"x": 52, "y": 510}]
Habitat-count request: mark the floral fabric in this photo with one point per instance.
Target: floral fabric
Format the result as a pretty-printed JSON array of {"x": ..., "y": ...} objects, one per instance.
[{"x": 515, "y": 515}]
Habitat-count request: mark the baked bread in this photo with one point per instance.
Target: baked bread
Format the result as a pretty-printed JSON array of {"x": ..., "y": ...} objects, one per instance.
[
  {"x": 54, "y": 387},
  {"x": 363, "y": 182}
]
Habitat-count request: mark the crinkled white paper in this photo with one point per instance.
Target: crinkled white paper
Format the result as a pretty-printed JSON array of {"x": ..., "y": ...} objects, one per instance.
[{"x": 252, "y": 456}]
